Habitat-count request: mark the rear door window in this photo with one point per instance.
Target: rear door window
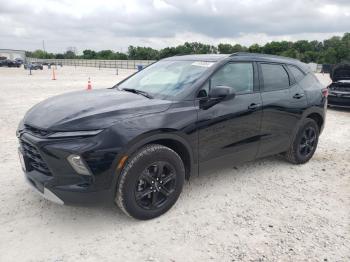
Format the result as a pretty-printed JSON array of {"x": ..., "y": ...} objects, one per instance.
[{"x": 275, "y": 77}]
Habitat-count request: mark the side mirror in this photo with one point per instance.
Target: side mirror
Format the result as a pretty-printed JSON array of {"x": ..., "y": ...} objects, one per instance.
[
  {"x": 222, "y": 92},
  {"x": 216, "y": 95}
]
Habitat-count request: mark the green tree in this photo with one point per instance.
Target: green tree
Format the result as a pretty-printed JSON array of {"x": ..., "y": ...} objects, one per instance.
[
  {"x": 89, "y": 54},
  {"x": 142, "y": 53},
  {"x": 255, "y": 48},
  {"x": 292, "y": 53},
  {"x": 167, "y": 52},
  {"x": 41, "y": 54},
  {"x": 105, "y": 54},
  {"x": 225, "y": 48},
  {"x": 69, "y": 54},
  {"x": 59, "y": 56}
]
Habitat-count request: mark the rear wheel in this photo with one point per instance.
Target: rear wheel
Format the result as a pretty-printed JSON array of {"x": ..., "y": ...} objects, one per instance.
[
  {"x": 305, "y": 143},
  {"x": 150, "y": 182}
]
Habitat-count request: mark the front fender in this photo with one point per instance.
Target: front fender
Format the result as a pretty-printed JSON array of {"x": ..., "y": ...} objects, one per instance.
[{"x": 156, "y": 135}]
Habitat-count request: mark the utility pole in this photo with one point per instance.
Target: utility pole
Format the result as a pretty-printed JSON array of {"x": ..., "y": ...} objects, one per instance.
[{"x": 44, "y": 45}]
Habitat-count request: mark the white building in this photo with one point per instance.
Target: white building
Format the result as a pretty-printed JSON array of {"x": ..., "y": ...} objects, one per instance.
[{"x": 13, "y": 54}]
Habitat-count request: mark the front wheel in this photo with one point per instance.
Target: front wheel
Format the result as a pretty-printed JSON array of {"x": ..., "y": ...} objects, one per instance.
[
  {"x": 305, "y": 143},
  {"x": 151, "y": 182}
]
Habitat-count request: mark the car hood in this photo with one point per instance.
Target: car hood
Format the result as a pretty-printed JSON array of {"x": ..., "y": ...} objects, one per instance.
[
  {"x": 88, "y": 110},
  {"x": 341, "y": 72}
]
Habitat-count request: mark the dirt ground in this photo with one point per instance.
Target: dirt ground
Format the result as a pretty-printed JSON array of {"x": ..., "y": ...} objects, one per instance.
[{"x": 267, "y": 210}]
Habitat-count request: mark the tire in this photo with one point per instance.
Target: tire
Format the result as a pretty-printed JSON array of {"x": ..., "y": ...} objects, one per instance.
[
  {"x": 150, "y": 182},
  {"x": 305, "y": 143}
]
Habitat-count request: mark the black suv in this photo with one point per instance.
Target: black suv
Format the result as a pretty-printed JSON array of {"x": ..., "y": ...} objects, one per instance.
[
  {"x": 10, "y": 63},
  {"x": 137, "y": 142}
]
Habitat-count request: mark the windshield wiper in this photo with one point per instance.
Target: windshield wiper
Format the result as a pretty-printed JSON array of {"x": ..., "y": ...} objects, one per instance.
[{"x": 139, "y": 92}]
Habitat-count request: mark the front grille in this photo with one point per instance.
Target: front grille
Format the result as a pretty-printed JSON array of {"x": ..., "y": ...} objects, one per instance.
[
  {"x": 35, "y": 160},
  {"x": 340, "y": 88},
  {"x": 343, "y": 87},
  {"x": 36, "y": 131}
]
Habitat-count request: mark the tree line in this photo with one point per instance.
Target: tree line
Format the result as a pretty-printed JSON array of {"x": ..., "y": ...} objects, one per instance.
[{"x": 330, "y": 51}]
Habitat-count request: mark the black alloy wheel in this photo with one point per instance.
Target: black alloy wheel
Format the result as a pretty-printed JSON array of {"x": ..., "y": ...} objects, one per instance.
[
  {"x": 304, "y": 143},
  {"x": 155, "y": 186},
  {"x": 150, "y": 182},
  {"x": 308, "y": 141}
]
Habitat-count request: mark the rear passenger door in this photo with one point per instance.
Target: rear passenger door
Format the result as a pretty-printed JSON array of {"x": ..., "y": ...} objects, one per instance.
[{"x": 283, "y": 103}]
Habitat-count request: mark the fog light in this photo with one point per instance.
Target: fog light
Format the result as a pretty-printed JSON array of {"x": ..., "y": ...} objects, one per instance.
[{"x": 78, "y": 164}]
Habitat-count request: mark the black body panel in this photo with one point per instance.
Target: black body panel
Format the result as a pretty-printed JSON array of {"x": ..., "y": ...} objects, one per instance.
[{"x": 230, "y": 131}]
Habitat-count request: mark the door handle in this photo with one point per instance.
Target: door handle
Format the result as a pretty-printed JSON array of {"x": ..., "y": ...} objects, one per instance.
[
  {"x": 298, "y": 96},
  {"x": 253, "y": 106}
]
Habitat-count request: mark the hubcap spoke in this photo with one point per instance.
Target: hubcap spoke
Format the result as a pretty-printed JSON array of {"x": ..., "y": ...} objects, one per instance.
[
  {"x": 303, "y": 150},
  {"x": 168, "y": 178},
  {"x": 165, "y": 191},
  {"x": 303, "y": 146},
  {"x": 307, "y": 133},
  {"x": 140, "y": 195},
  {"x": 159, "y": 169},
  {"x": 147, "y": 176},
  {"x": 154, "y": 199},
  {"x": 308, "y": 149}
]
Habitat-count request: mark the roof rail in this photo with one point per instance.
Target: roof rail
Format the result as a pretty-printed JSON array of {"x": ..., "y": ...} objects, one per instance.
[{"x": 262, "y": 55}]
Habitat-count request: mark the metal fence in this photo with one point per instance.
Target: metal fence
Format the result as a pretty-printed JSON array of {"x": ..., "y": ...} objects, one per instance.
[{"x": 122, "y": 64}]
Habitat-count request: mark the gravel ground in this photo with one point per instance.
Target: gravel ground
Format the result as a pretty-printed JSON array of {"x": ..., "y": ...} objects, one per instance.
[{"x": 267, "y": 210}]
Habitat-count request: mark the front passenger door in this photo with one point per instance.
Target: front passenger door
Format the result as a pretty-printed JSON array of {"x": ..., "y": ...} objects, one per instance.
[{"x": 230, "y": 130}]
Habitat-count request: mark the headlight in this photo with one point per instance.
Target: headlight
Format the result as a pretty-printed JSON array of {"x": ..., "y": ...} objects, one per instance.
[
  {"x": 74, "y": 134},
  {"x": 78, "y": 165}
]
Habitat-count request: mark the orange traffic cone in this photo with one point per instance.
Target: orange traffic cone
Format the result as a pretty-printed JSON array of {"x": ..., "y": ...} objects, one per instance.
[
  {"x": 53, "y": 74},
  {"x": 89, "y": 87}
]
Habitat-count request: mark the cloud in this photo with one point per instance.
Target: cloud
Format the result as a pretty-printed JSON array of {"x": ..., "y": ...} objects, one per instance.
[{"x": 110, "y": 24}]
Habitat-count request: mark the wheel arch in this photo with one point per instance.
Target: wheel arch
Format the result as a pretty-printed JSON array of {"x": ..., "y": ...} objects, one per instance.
[
  {"x": 168, "y": 138},
  {"x": 318, "y": 119},
  {"x": 316, "y": 113}
]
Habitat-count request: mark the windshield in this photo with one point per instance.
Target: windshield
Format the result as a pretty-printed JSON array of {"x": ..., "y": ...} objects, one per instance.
[{"x": 166, "y": 79}]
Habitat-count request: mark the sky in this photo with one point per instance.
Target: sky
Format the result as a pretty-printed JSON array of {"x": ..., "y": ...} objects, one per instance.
[{"x": 116, "y": 24}]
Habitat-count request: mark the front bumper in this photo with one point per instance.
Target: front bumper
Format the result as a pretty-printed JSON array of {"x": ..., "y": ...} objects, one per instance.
[
  {"x": 47, "y": 194},
  {"x": 47, "y": 170},
  {"x": 339, "y": 99}
]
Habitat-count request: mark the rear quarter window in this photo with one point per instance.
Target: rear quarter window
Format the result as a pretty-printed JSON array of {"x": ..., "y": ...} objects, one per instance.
[
  {"x": 275, "y": 77},
  {"x": 296, "y": 72}
]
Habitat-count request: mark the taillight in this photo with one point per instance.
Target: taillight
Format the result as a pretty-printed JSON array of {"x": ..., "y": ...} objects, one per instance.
[{"x": 325, "y": 92}]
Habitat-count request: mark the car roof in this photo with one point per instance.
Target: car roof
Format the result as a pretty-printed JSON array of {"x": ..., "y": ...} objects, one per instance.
[
  {"x": 201, "y": 57},
  {"x": 271, "y": 58},
  {"x": 240, "y": 56}
]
